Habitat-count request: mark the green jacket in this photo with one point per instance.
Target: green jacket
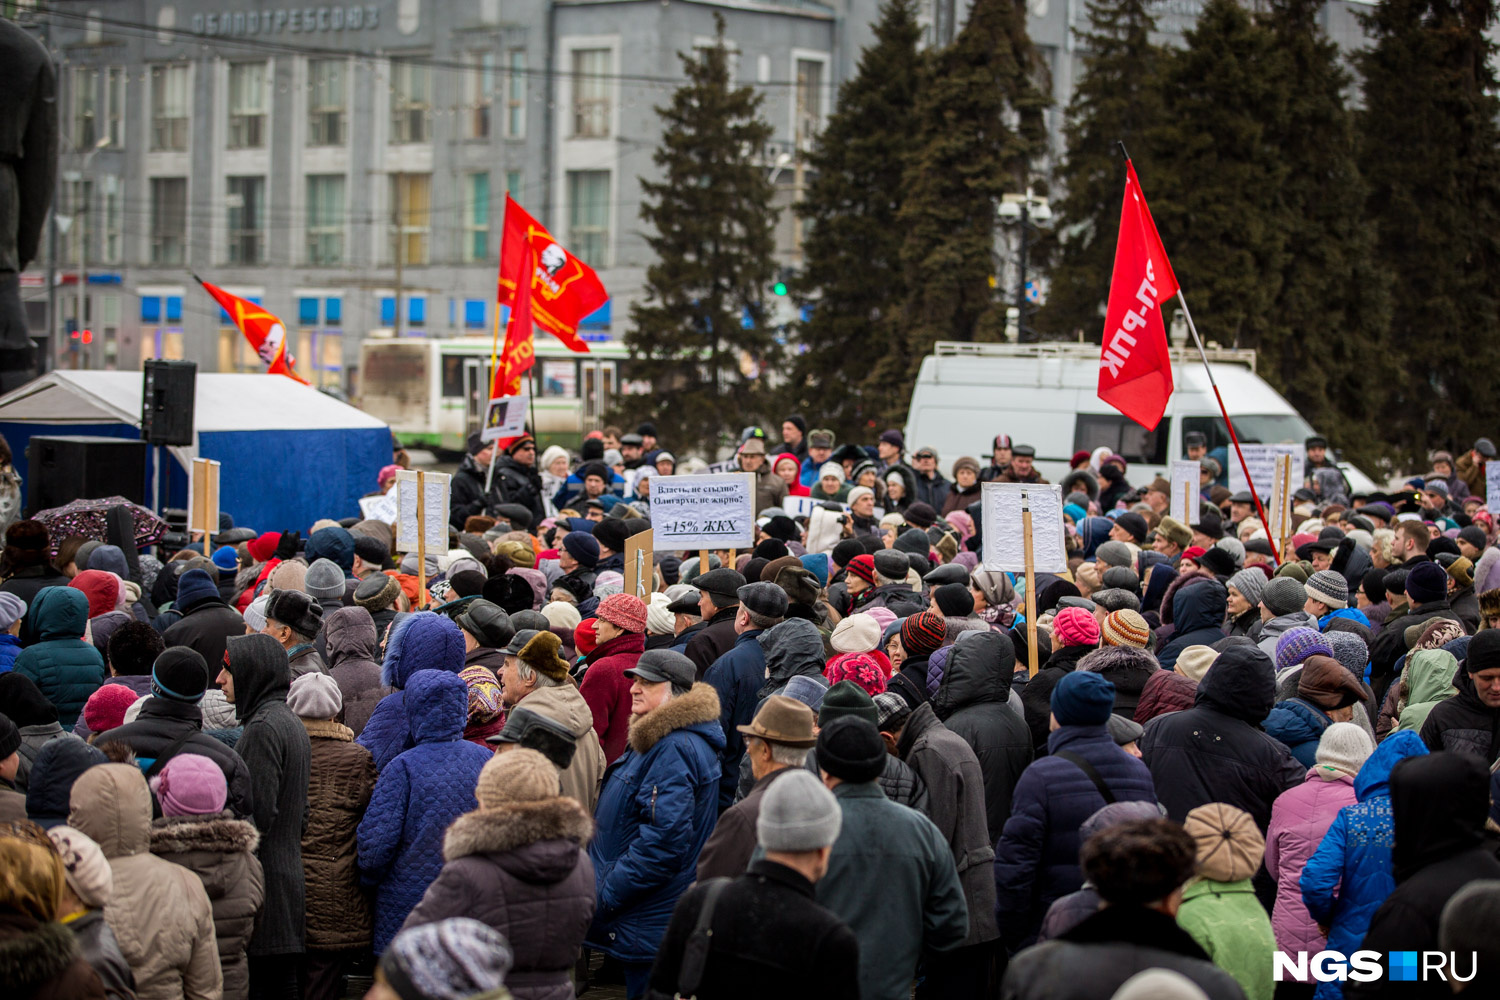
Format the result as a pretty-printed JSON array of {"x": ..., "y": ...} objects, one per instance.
[
  {"x": 1229, "y": 923},
  {"x": 1429, "y": 680}
]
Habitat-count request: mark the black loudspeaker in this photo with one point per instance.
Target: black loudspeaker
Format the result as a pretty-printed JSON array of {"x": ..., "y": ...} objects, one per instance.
[
  {"x": 167, "y": 402},
  {"x": 63, "y": 469}
]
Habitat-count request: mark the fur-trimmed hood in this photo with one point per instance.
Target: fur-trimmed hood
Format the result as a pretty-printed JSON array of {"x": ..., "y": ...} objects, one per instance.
[
  {"x": 696, "y": 708},
  {"x": 221, "y": 834},
  {"x": 32, "y": 956},
  {"x": 517, "y": 824},
  {"x": 1185, "y": 578}
]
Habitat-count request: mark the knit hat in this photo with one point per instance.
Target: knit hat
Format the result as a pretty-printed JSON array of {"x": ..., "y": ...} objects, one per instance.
[
  {"x": 1344, "y": 749},
  {"x": 583, "y": 547},
  {"x": 12, "y": 610},
  {"x": 561, "y": 614},
  {"x": 923, "y": 633},
  {"x": 1125, "y": 628},
  {"x": 850, "y": 749},
  {"x": 1193, "y": 662},
  {"x": 797, "y": 814},
  {"x": 1113, "y": 553},
  {"x": 859, "y": 633},
  {"x": 451, "y": 959},
  {"x": 484, "y": 704},
  {"x": 226, "y": 558},
  {"x": 863, "y": 566},
  {"x": 191, "y": 785},
  {"x": 1075, "y": 627},
  {"x": 1136, "y": 525},
  {"x": 1328, "y": 587},
  {"x": 1426, "y": 582},
  {"x": 263, "y": 548},
  {"x": 324, "y": 581},
  {"x": 858, "y": 493},
  {"x": 954, "y": 600},
  {"x": 1283, "y": 596},
  {"x": 659, "y": 621},
  {"x": 193, "y": 587},
  {"x": 626, "y": 611},
  {"x": 179, "y": 674},
  {"x": 1484, "y": 651},
  {"x": 541, "y": 654},
  {"x": 105, "y": 709},
  {"x": 377, "y": 592},
  {"x": 1437, "y": 633},
  {"x": 1251, "y": 583},
  {"x": 846, "y": 698},
  {"x": 1297, "y": 644},
  {"x": 84, "y": 866},
  {"x": 1349, "y": 649},
  {"x": 1083, "y": 698},
  {"x": 1230, "y": 846},
  {"x": 315, "y": 695},
  {"x": 10, "y": 734},
  {"x": 864, "y": 669},
  {"x": 522, "y": 775},
  {"x": 1326, "y": 683},
  {"x": 297, "y": 610}
]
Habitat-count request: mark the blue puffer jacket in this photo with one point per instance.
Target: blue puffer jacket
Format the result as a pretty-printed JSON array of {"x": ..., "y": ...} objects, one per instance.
[
  {"x": 1298, "y": 724},
  {"x": 1197, "y": 618},
  {"x": 58, "y": 661},
  {"x": 417, "y": 795},
  {"x": 657, "y": 807},
  {"x": 736, "y": 677},
  {"x": 1036, "y": 860},
  {"x": 10, "y": 648},
  {"x": 425, "y": 641},
  {"x": 1351, "y": 873}
]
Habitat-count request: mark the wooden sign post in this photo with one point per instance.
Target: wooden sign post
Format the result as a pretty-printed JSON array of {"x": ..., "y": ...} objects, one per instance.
[
  {"x": 639, "y": 565},
  {"x": 1031, "y": 664},
  {"x": 1284, "y": 504},
  {"x": 421, "y": 541},
  {"x": 1023, "y": 533},
  {"x": 422, "y": 500},
  {"x": 203, "y": 501}
]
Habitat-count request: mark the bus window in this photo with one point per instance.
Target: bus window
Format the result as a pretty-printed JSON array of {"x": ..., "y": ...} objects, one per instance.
[
  {"x": 453, "y": 376},
  {"x": 559, "y": 378},
  {"x": 1122, "y": 436}
]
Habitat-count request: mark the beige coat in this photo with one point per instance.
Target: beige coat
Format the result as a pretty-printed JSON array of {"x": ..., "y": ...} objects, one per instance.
[
  {"x": 581, "y": 779},
  {"x": 159, "y": 912}
]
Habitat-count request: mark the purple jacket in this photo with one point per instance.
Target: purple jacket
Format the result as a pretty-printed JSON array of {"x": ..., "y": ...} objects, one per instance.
[{"x": 1299, "y": 819}]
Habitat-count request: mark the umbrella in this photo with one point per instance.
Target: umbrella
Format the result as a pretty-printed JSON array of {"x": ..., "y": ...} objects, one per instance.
[{"x": 90, "y": 519}]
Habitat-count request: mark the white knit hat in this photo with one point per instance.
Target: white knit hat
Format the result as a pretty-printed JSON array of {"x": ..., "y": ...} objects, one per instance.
[
  {"x": 561, "y": 614},
  {"x": 659, "y": 621},
  {"x": 315, "y": 696},
  {"x": 859, "y": 633},
  {"x": 1344, "y": 749},
  {"x": 84, "y": 866},
  {"x": 255, "y": 614}
]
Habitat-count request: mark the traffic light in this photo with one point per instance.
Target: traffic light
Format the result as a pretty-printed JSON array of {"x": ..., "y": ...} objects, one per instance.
[{"x": 779, "y": 288}]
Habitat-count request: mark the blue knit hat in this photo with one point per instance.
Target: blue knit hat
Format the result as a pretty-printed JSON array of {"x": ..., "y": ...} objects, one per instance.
[
  {"x": 226, "y": 559},
  {"x": 1297, "y": 644},
  {"x": 816, "y": 563},
  {"x": 1426, "y": 582},
  {"x": 1083, "y": 698},
  {"x": 193, "y": 587},
  {"x": 583, "y": 547}
]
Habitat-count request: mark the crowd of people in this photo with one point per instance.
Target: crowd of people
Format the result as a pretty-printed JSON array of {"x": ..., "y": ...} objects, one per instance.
[{"x": 822, "y": 766}]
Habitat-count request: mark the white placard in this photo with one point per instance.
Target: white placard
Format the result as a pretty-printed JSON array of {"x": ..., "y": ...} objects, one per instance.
[
  {"x": 504, "y": 417},
  {"x": 1004, "y": 541},
  {"x": 381, "y": 508},
  {"x": 802, "y": 506},
  {"x": 703, "y": 512},
  {"x": 1185, "y": 499},
  {"x": 1279, "y": 507},
  {"x": 1261, "y": 458},
  {"x": 726, "y": 466},
  {"x": 435, "y": 512},
  {"x": 1492, "y": 481}
]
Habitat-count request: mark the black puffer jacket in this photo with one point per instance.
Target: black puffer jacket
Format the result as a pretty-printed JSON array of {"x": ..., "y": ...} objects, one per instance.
[
  {"x": 971, "y": 701},
  {"x": 1197, "y": 618},
  {"x": 1127, "y": 668},
  {"x": 205, "y": 627},
  {"x": 1463, "y": 723},
  {"x": 156, "y": 732}
]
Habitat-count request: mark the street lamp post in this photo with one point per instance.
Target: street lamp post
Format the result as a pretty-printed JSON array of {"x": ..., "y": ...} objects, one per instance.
[
  {"x": 1023, "y": 208},
  {"x": 80, "y": 215}
]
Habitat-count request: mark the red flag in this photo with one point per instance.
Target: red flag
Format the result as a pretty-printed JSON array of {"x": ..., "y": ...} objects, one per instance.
[
  {"x": 266, "y": 333},
  {"x": 563, "y": 288},
  {"x": 1135, "y": 368},
  {"x": 520, "y": 347}
]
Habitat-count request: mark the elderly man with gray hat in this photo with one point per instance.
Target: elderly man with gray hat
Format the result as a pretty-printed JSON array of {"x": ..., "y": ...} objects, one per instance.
[
  {"x": 738, "y": 675},
  {"x": 765, "y": 931}
]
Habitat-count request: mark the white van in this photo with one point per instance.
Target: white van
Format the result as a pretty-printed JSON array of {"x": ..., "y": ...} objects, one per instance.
[{"x": 1046, "y": 395}]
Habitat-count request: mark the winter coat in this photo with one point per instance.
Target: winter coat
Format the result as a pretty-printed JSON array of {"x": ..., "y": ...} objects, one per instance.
[
  {"x": 1299, "y": 819},
  {"x": 43, "y": 962},
  {"x": 220, "y": 850},
  {"x": 424, "y": 641},
  {"x": 275, "y": 749},
  {"x": 417, "y": 795},
  {"x": 1197, "y": 619},
  {"x": 1465, "y": 606},
  {"x": 1390, "y": 644},
  {"x": 1036, "y": 860},
  {"x": 159, "y": 912},
  {"x": 1094, "y": 959},
  {"x": 656, "y": 810},
  {"x": 97, "y": 945},
  {"x": 898, "y": 598},
  {"x": 736, "y": 677},
  {"x": 1036, "y": 696},
  {"x": 34, "y": 739},
  {"x": 58, "y": 661},
  {"x": 1215, "y": 751},
  {"x": 1351, "y": 873},
  {"x": 354, "y": 655},
  {"x": 1128, "y": 669},
  {"x": 522, "y": 870},
  {"x": 156, "y": 732},
  {"x": 713, "y": 640},
  {"x": 933, "y": 492},
  {"x": 1271, "y": 631},
  {"x": 727, "y": 852},
  {"x": 959, "y": 499},
  {"x": 1430, "y": 675},
  {"x": 972, "y": 702},
  {"x": 206, "y": 627},
  {"x": 583, "y": 775},
  {"x": 606, "y": 689},
  {"x": 341, "y": 779},
  {"x": 467, "y": 495},
  {"x": 519, "y": 484},
  {"x": 1164, "y": 691},
  {"x": 10, "y": 648},
  {"x": 1299, "y": 724},
  {"x": 955, "y": 787},
  {"x": 29, "y": 582},
  {"x": 51, "y": 785},
  {"x": 1463, "y": 723},
  {"x": 770, "y": 489},
  {"x": 770, "y": 938},
  {"x": 1229, "y": 923},
  {"x": 891, "y": 878}
]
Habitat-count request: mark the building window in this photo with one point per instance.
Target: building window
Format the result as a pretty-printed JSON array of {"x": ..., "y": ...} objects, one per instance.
[
  {"x": 80, "y": 196},
  {"x": 115, "y": 81},
  {"x": 476, "y": 217},
  {"x": 474, "y": 314},
  {"x": 809, "y": 100},
  {"x": 588, "y": 215},
  {"x": 513, "y": 184},
  {"x": 246, "y": 199},
  {"x": 481, "y": 96},
  {"x": 169, "y": 108},
  {"x": 247, "y": 105},
  {"x": 111, "y": 243},
  {"x": 85, "y": 107},
  {"x": 325, "y": 218},
  {"x": 411, "y": 100},
  {"x": 168, "y": 219},
  {"x": 591, "y": 69},
  {"x": 411, "y": 200},
  {"x": 515, "y": 95},
  {"x": 325, "y": 102}
]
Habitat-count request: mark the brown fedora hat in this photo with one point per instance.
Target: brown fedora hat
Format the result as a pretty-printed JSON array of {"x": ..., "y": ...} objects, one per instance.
[{"x": 782, "y": 720}]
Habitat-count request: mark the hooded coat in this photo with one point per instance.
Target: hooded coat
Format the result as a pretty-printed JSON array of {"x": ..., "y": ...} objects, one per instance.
[
  {"x": 736, "y": 677},
  {"x": 341, "y": 778},
  {"x": 43, "y": 961},
  {"x": 1430, "y": 675},
  {"x": 1351, "y": 873},
  {"x": 417, "y": 795},
  {"x": 522, "y": 870},
  {"x": 58, "y": 661},
  {"x": 205, "y": 626},
  {"x": 274, "y": 747},
  {"x": 57, "y": 767},
  {"x": 1231, "y": 926},
  {"x": 1299, "y": 819},
  {"x": 159, "y": 912},
  {"x": 1216, "y": 751},
  {"x": 166, "y": 728},
  {"x": 220, "y": 850},
  {"x": 1128, "y": 669},
  {"x": 423, "y": 641},
  {"x": 1463, "y": 723},
  {"x": 583, "y": 775},
  {"x": 606, "y": 689},
  {"x": 1197, "y": 619},
  {"x": 972, "y": 702},
  {"x": 1271, "y": 631},
  {"x": 656, "y": 810},
  {"x": 1164, "y": 691},
  {"x": 354, "y": 661}
]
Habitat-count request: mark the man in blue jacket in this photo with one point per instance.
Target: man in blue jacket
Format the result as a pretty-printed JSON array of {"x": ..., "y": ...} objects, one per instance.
[{"x": 738, "y": 675}]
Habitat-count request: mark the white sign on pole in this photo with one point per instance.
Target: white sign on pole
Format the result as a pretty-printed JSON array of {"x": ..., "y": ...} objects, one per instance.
[
  {"x": 435, "y": 511},
  {"x": 1185, "y": 501},
  {"x": 1279, "y": 507},
  {"x": 1004, "y": 540},
  {"x": 728, "y": 465},
  {"x": 504, "y": 417},
  {"x": 1261, "y": 459},
  {"x": 381, "y": 508},
  {"x": 703, "y": 512},
  {"x": 802, "y": 506},
  {"x": 1492, "y": 481}
]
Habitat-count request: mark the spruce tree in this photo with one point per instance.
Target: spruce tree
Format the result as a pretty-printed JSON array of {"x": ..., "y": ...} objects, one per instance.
[
  {"x": 851, "y": 275},
  {"x": 1428, "y": 146},
  {"x": 1117, "y": 99},
  {"x": 711, "y": 229}
]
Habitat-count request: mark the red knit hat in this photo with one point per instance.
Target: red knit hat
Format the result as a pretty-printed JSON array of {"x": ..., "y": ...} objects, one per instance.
[
  {"x": 922, "y": 633},
  {"x": 863, "y": 566},
  {"x": 263, "y": 548},
  {"x": 105, "y": 709},
  {"x": 100, "y": 587},
  {"x": 625, "y": 610},
  {"x": 1075, "y": 627},
  {"x": 864, "y": 669}
]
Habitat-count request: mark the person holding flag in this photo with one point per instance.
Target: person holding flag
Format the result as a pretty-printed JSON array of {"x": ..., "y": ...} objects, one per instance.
[{"x": 265, "y": 332}]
